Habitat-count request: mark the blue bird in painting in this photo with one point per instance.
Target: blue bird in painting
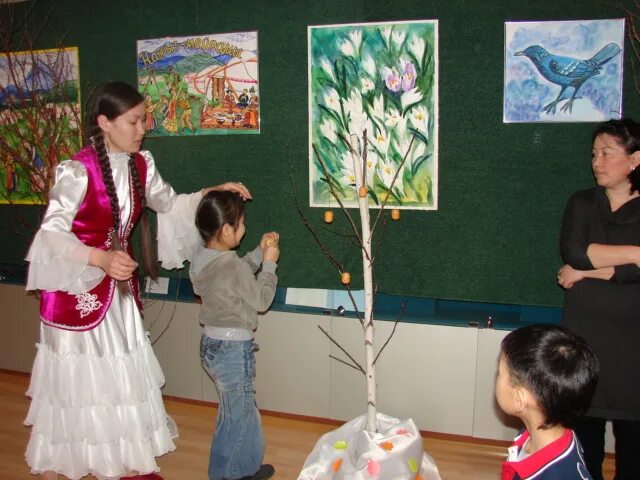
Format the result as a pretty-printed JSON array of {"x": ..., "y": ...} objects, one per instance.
[{"x": 569, "y": 73}]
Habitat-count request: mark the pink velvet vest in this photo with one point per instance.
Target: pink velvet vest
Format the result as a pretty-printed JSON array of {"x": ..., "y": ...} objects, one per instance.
[{"x": 93, "y": 225}]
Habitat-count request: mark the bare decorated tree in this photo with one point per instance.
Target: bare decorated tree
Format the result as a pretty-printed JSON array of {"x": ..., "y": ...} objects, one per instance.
[
  {"x": 363, "y": 237},
  {"x": 355, "y": 447}
]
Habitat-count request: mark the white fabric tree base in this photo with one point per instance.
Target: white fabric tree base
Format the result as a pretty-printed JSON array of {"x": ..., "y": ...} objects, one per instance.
[{"x": 395, "y": 452}]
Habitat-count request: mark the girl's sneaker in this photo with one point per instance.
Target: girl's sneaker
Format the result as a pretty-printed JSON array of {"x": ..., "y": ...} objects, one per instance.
[{"x": 266, "y": 471}]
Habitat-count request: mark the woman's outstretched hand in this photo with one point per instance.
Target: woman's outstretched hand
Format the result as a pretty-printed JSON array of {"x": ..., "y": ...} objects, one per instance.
[{"x": 237, "y": 187}]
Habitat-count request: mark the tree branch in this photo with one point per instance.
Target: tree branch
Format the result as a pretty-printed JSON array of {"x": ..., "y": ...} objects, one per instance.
[
  {"x": 404, "y": 304},
  {"x": 359, "y": 367}
]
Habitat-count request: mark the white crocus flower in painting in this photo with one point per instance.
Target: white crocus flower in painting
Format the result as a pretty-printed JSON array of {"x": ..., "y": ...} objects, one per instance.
[
  {"x": 353, "y": 109},
  {"x": 369, "y": 65},
  {"x": 372, "y": 162},
  {"x": 368, "y": 126},
  {"x": 387, "y": 172},
  {"x": 327, "y": 67},
  {"x": 386, "y": 33},
  {"x": 367, "y": 84},
  {"x": 417, "y": 150},
  {"x": 398, "y": 37},
  {"x": 356, "y": 39},
  {"x": 346, "y": 47},
  {"x": 328, "y": 129},
  {"x": 381, "y": 141},
  {"x": 401, "y": 126},
  {"x": 416, "y": 46},
  {"x": 332, "y": 99},
  {"x": 420, "y": 118},
  {"x": 378, "y": 107},
  {"x": 392, "y": 117},
  {"x": 356, "y": 122},
  {"x": 354, "y": 102},
  {"x": 410, "y": 97},
  {"x": 348, "y": 178}
]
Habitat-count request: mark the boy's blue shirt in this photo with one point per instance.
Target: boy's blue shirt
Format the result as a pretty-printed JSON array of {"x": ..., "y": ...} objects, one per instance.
[{"x": 560, "y": 460}]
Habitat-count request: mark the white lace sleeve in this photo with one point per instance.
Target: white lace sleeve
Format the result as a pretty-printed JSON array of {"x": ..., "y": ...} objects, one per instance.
[
  {"x": 178, "y": 237},
  {"x": 58, "y": 259}
]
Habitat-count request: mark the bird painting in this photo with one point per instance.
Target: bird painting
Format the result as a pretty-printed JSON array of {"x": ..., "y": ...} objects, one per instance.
[{"x": 567, "y": 72}]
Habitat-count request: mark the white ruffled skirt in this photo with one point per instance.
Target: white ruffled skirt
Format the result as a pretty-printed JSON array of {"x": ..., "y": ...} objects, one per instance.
[{"x": 96, "y": 404}]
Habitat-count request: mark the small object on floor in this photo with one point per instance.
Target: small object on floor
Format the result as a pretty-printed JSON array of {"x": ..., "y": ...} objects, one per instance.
[
  {"x": 266, "y": 471},
  {"x": 148, "y": 476}
]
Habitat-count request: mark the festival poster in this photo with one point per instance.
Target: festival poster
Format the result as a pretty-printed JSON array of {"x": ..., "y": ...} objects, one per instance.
[
  {"x": 39, "y": 120},
  {"x": 200, "y": 85}
]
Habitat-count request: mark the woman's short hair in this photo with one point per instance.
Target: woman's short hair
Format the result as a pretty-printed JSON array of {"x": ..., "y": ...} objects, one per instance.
[{"x": 627, "y": 132}]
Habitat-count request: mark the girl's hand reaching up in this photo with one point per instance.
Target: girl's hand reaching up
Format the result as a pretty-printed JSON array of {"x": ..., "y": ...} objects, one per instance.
[
  {"x": 269, "y": 239},
  {"x": 269, "y": 246}
]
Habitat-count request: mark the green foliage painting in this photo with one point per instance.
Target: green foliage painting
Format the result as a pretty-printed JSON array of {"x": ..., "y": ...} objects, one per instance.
[{"x": 373, "y": 92}]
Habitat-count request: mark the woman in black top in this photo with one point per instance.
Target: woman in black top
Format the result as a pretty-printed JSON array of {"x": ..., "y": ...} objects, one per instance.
[{"x": 600, "y": 244}]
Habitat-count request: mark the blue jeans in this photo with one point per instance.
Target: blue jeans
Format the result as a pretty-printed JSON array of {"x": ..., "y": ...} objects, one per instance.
[{"x": 237, "y": 448}]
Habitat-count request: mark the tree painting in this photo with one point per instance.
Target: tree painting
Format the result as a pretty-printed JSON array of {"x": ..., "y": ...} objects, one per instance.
[
  {"x": 39, "y": 120},
  {"x": 381, "y": 78}
]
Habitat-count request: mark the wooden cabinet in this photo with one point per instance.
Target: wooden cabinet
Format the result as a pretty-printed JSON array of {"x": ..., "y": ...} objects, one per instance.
[{"x": 441, "y": 376}]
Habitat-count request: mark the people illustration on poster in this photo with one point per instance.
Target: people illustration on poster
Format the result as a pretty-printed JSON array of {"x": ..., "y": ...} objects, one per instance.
[{"x": 200, "y": 85}]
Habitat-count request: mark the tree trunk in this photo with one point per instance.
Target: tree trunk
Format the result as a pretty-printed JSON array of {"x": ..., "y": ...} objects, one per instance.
[{"x": 367, "y": 268}]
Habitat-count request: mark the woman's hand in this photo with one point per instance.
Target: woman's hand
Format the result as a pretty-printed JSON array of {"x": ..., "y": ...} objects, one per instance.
[
  {"x": 568, "y": 276},
  {"x": 236, "y": 187},
  {"x": 116, "y": 263}
]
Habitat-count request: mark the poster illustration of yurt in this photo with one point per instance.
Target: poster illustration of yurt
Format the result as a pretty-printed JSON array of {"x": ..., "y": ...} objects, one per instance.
[{"x": 200, "y": 85}]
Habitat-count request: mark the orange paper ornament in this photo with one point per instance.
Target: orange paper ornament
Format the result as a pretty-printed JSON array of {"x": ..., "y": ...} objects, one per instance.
[{"x": 328, "y": 216}]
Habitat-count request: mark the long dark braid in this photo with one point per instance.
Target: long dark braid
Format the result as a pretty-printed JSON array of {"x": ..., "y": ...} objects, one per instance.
[
  {"x": 107, "y": 178},
  {"x": 149, "y": 256},
  {"x": 112, "y": 99}
]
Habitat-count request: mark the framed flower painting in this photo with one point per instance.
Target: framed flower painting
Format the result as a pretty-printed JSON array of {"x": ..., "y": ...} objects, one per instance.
[{"x": 373, "y": 92}]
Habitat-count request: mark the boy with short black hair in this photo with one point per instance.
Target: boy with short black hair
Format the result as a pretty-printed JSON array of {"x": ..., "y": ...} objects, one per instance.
[{"x": 546, "y": 377}]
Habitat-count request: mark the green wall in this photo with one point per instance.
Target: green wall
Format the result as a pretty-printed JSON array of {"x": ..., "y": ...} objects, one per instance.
[{"x": 502, "y": 188}]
